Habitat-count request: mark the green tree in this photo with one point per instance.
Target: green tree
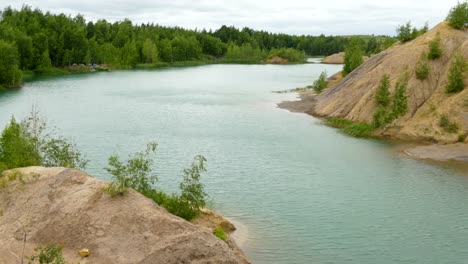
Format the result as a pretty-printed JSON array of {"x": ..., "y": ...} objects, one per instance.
[
  {"x": 380, "y": 117},
  {"x": 458, "y": 15},
  {"x": 435, "y": 51},
  {"x": 16, "y": 149},
  {"x": 192, "y": 190},
  {"x": 353, "y": 57},
  {"x": 136, "y": 172},
  {"x": 422, "y": 68},
  {"x": 456, "y": 78},
  {"x": 400, "y": 99},
  {"x": 45, "y": 61},
  {"x": 321, "y": 83},
  {"x": 150, "y": 52},
  {"x": 10, "y": 75},
  {"x": 165, "y": 52},
  {"x": 404, "y": 32},
  {"x": 382, "y": 95}
]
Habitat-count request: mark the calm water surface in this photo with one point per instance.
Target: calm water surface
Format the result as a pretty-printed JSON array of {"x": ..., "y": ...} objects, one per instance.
[{"x": 305, "y": 192}]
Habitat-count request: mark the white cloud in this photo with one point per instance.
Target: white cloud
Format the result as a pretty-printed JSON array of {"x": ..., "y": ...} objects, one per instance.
[{"x": 330, "y": 17}]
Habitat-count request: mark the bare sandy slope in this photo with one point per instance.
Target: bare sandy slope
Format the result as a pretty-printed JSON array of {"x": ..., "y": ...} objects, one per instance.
[
  {"x": 354, "y": 97},
  {"x": 68, "y": 207}
]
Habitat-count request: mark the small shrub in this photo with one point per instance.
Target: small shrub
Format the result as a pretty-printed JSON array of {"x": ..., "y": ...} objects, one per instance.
[
  {"x": 400, "y": 99},
  {"x": 321, "y": 83},
  {"x": 456, "y": 78},
  {"x": 382, "y": 95},
  {"x": 447, "y": 125},
  {"x": 458, "y": 15},
  {"x": 50, "y": 254},
  {"x": 380, "y": 117},
  {"x": 435, "y": 51},
  {"x": 219, "y": 233},
  {"x": 461, "y": 138},
  {"x": 136, "y": 173},
  {"x": 422, "y": 68}
]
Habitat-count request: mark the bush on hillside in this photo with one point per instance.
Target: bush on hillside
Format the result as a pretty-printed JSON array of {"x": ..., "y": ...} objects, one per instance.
[
  {"x": 407, "y": 32},
  {"x": 447, "y": 125},
  {"x": 400, "y": 99},
  {"x": 422, "y": 68},
  {"x": 456, "y": 78},
  {"x": 321, "y": 83},
  {"x": 435, "y": 51},
  {"x": 137, "y": 173},
  {"x": 458, "y": 15},
  {"x": 382, "y": 95},
  {"x": 28, "y": 143}
]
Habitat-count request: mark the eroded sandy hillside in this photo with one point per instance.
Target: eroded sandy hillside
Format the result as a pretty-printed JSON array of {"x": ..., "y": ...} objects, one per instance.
[{"x": 354, "y": 97}]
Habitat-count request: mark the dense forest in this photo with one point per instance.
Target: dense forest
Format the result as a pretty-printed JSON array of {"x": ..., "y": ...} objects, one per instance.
[{"x": 31, "y": 40}]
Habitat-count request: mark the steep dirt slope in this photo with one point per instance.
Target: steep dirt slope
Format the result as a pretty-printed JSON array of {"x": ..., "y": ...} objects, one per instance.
[
  {"x": 354, "y": 97},
  {"x": 67, "y": 207}
]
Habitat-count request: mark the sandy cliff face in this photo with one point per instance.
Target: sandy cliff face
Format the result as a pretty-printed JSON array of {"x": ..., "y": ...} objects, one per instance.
[
  {"x": 67, "y": 207},
  {"x": 354, "y": 97}
]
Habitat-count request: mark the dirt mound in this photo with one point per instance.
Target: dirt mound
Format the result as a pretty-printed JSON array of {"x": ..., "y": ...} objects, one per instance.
[
  {"x": 67, "y": 207},
  {"x": 354, "y": 97},
  {"x": 338, "y": 58},
  {"x": 277, "y": 60}
]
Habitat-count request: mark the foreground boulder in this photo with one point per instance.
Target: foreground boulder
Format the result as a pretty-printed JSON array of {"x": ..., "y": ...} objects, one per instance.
[{"x": 67, "y": 207}]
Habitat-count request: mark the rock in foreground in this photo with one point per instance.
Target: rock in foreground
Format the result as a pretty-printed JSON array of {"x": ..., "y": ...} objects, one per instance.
[{"x": 67, "y": 207}]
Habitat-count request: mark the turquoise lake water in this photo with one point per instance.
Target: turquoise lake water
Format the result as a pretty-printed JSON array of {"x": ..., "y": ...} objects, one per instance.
[{"x": 304, "y": 192}]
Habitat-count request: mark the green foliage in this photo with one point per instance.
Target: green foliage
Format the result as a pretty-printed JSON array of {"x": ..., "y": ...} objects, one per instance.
[
  {"x": 192, "y": 190},
  {"x": 447, "y": 125},
  {"x": 50, "y": 254},
  {"x": 219, "y": 233},
  {"x": 321, "y": 83},
  {"x": 292, "y": 55},
  {"x": 136, "y": 173},
  {"x": 10, "y": 75},
  {"x": 382, "y": 95},
  {"x": 349, "y": 127},
  {"x": 422, "y": 68},
  {"x": 458, "y": 15},
  {"x": 353, "y": 57},
  {"x": 246, "y": 52},
  {"x": 435, "y": 51},
  {"x": 456, "y": 78},
  {"x": 407, "y": 32},
  {"x": 400, "y": 99},
  {"x": 27, "y": 144},
  {"x": 380, "y": 117},
  {"x": 461, "y": 138},
  {"x": 17, "y": 149}
]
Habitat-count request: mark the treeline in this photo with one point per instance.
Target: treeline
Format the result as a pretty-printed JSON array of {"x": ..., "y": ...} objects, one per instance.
[{"x": 34, "y": 40}]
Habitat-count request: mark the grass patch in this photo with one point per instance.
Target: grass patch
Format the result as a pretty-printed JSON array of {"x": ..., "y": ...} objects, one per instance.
[
  {"x": 219, "y": 233},
  {"x": 447, "y": 125},
  {"x": 50, "y": 71},
  {"x": 355, "y": 129},
  {"x": 461, "y": 138}
]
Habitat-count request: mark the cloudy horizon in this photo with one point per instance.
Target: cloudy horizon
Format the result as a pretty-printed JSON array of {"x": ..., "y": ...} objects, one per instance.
[{"x": 298, "y": 17}]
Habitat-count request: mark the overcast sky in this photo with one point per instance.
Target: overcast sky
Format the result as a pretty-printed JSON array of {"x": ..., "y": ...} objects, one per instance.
[{"x": 330, "y": 17}]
